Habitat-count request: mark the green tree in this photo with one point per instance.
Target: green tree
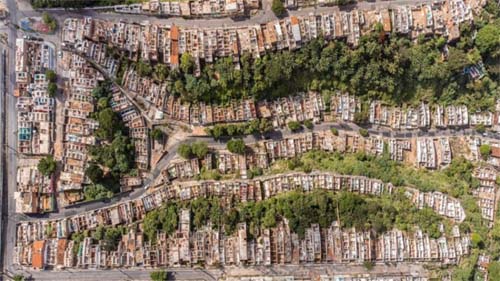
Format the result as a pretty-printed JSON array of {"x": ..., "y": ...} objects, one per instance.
[
  {"x": 47, "y": 165},
  {"x": 144, "y": 69},
  {"x": 265, "y": 126},
  {"x": 487, "y": 39},
  {"x": 98, "y": 234},
  {"x": 103, "y": 90},
  {"x": 184, "y": 150},
  {"x": 309, "y": 124},
  {"x": 187, "y": 63},
  {"x": 151, "y": 225},
  {"x": 494, "y": 270},
  {"x": 49, "y": 21},
  {"x": 485, "y": 151},
  {"x": 294, "y": 126},
  {"x": 217, "y": 131},
  {"x": 161, "y": 72},
  {"x": 158, "y": 276},
  {"x": 52, "y": 89},
  {"x": 96, "y": 192},
  {"x": 480, "y": 129},
  {"x": 18, "y": 277},
  {"x": 278, "y": 8},
  {"x": 50, "y": 75},
  {"x": 157, "y": 134},
  {"x": 363, "y": 132},
  {"x": 236, "y": 146},
  {"x": 112, "y": 237},
  {"x": 169, "y": 218},
  {"x": 94, "y": 172},
  {"x": 368, "y": 265},
  {"x": 109, "y": 123},
  {"x": 477, "y": 241},
  {"x": 199, "y": 149},
  {"x": 102, "y": 103},
  {"x": 269, "y": 219},
  {"x": 335, "y": 131}
]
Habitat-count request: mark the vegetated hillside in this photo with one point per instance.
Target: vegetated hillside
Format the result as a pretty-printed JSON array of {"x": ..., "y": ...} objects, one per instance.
[{"x": 384, "y": 66}]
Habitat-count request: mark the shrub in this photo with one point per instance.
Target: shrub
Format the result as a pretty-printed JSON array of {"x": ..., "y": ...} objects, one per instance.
[
  {"x": 485, "y": 151},
  {"x": 157, "y": 134},
  {"x": 158, "y": 276},
  {"x": 480, "y": 129},
  {"x": 294, "y": 126},
  {"x": 309, "y": 124},
  {"x": 364, "y": 132}
]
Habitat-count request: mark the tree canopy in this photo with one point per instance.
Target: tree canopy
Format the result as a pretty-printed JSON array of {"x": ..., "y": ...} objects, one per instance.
[
  {"x": 94, "y": 172},
  {"x": 199, "y": 149},
  {"x": 157, "y": 134},
  {"x": 278, "y": 8},
  {"x": 50, "y": 21},
  {"x": 236, "y": 146},
  {"x": 485, "y": 151},
  {"x": 47, "y": 165},
  {"x": 184, "y": 150},
  {"x": 294, "y": 126},
  {"x": 50, "y": 75}
]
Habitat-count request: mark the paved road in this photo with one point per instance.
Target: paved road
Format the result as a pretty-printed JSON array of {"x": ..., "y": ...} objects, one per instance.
[
  {"x": 119, "y": 274},
  {"x": 304, "y": 271},
  {"x": 262, "y": 16},
  {"x": 9, "y": 218}
]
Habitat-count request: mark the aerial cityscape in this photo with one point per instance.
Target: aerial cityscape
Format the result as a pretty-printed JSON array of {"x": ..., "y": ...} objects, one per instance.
[{"x": 250, "y": 140}]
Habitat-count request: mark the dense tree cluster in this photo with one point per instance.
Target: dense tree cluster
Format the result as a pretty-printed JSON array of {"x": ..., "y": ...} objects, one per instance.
[
  {"x": 113, "y": 156},
  {"x": 455, "y": 180},
  {"x": 164, "y": 219},
  {"x": 198, "y": 149},
  {"x": 109, "y": 237},
  {"x": 96, "y": 192},
  {"x": 323, "y": 207},
  {"x": 384, "y": 67},
  {"x": 301, "y": 210}
]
